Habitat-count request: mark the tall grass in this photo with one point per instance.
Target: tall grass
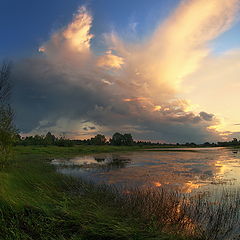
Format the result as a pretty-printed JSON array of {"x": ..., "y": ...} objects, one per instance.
[
  {"x": 199, "y": 216},
  {"x": 188, "y": 216}
]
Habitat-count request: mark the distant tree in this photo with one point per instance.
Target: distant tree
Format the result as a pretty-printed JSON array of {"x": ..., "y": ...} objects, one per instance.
[
  {"x": 37, "y": 140},
  {"x": 49, "y": 139},
  {"x": 117, "y": 139},
  {"x": 64, "y": 142},
  {"x": 99, "y": 140},
  {"x": 207, "y": 144},
  {"x": 128, "y": 139},
  {"x": 235, "y": 142}
]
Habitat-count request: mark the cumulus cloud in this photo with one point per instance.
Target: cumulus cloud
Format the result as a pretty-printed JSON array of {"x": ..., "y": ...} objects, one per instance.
[
  {"x": 76, "y": 36},
  {"x": 110, "y": 60},
  {"x": 132, "y": 87}
]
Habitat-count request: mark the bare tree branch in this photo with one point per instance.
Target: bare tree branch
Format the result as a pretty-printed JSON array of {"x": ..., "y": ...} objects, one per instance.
[
  {"x": 5, "y": 84},
  {"x": 7, "y": 128}
]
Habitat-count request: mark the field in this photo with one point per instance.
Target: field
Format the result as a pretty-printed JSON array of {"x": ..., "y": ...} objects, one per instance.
[{"x": 66, "y": 152}]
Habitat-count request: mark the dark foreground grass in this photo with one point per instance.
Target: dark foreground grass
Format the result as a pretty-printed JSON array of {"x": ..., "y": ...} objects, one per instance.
[{"x": 38, "y": 203}]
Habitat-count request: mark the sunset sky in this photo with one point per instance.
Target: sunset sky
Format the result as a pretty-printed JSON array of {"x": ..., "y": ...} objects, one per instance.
[{"x": 162, "y": 70}]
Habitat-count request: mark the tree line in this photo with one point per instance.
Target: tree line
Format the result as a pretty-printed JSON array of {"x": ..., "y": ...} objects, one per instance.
[{"x": 117, "y": 139}]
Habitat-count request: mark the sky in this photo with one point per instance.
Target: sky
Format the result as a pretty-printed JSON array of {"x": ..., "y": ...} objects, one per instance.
[{"x": 162, "y": 70}]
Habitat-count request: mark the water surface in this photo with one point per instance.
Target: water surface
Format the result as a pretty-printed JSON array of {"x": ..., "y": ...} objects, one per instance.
[{"x": 188, "y": 170}]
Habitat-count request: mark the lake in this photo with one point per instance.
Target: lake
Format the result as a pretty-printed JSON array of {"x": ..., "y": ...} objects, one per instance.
[{"x": 188, "y": 170}]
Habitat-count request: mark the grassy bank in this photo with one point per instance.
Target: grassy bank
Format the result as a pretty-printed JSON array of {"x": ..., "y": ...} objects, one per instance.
[
  {"x": 67, "y": 152},
  {"x": 38, "y": 203}
]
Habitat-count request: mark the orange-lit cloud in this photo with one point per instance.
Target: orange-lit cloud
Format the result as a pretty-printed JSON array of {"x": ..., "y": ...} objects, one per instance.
[
  {"x": 137, "y": 99},
  {"x": 178, "y": 46},
  {"x": 42, "y": 49},
  {"x": 181, "y": 43},
  {"x": 75, "y": 37},
  {"x": 157, "y": 108},
  {"x": 110, "y": 60},
  {"x": 78, "y": 32}
]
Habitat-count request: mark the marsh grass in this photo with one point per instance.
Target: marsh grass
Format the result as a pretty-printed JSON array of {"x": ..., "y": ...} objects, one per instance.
[
  {"x": 199, "y": 216},
  {"x": 181, "y": 215}
]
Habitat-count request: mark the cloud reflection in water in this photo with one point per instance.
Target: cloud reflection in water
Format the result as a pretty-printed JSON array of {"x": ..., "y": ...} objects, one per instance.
[{"x": 199, "y": 170}]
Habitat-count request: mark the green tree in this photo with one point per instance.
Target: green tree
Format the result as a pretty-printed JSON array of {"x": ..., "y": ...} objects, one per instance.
[
  {"x": 99, "y": 140},
  {"x": 128, "y": 139},
  {"x": 117, "y": 139},
  {"x": 49, "y": 139}
]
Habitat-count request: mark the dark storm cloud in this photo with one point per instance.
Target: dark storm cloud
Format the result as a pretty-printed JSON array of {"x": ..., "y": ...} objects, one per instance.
[
  {"x": 89, "y": 128},
  {"x": 43, "y": 95},
  {"x": 206, "y": 116}
]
